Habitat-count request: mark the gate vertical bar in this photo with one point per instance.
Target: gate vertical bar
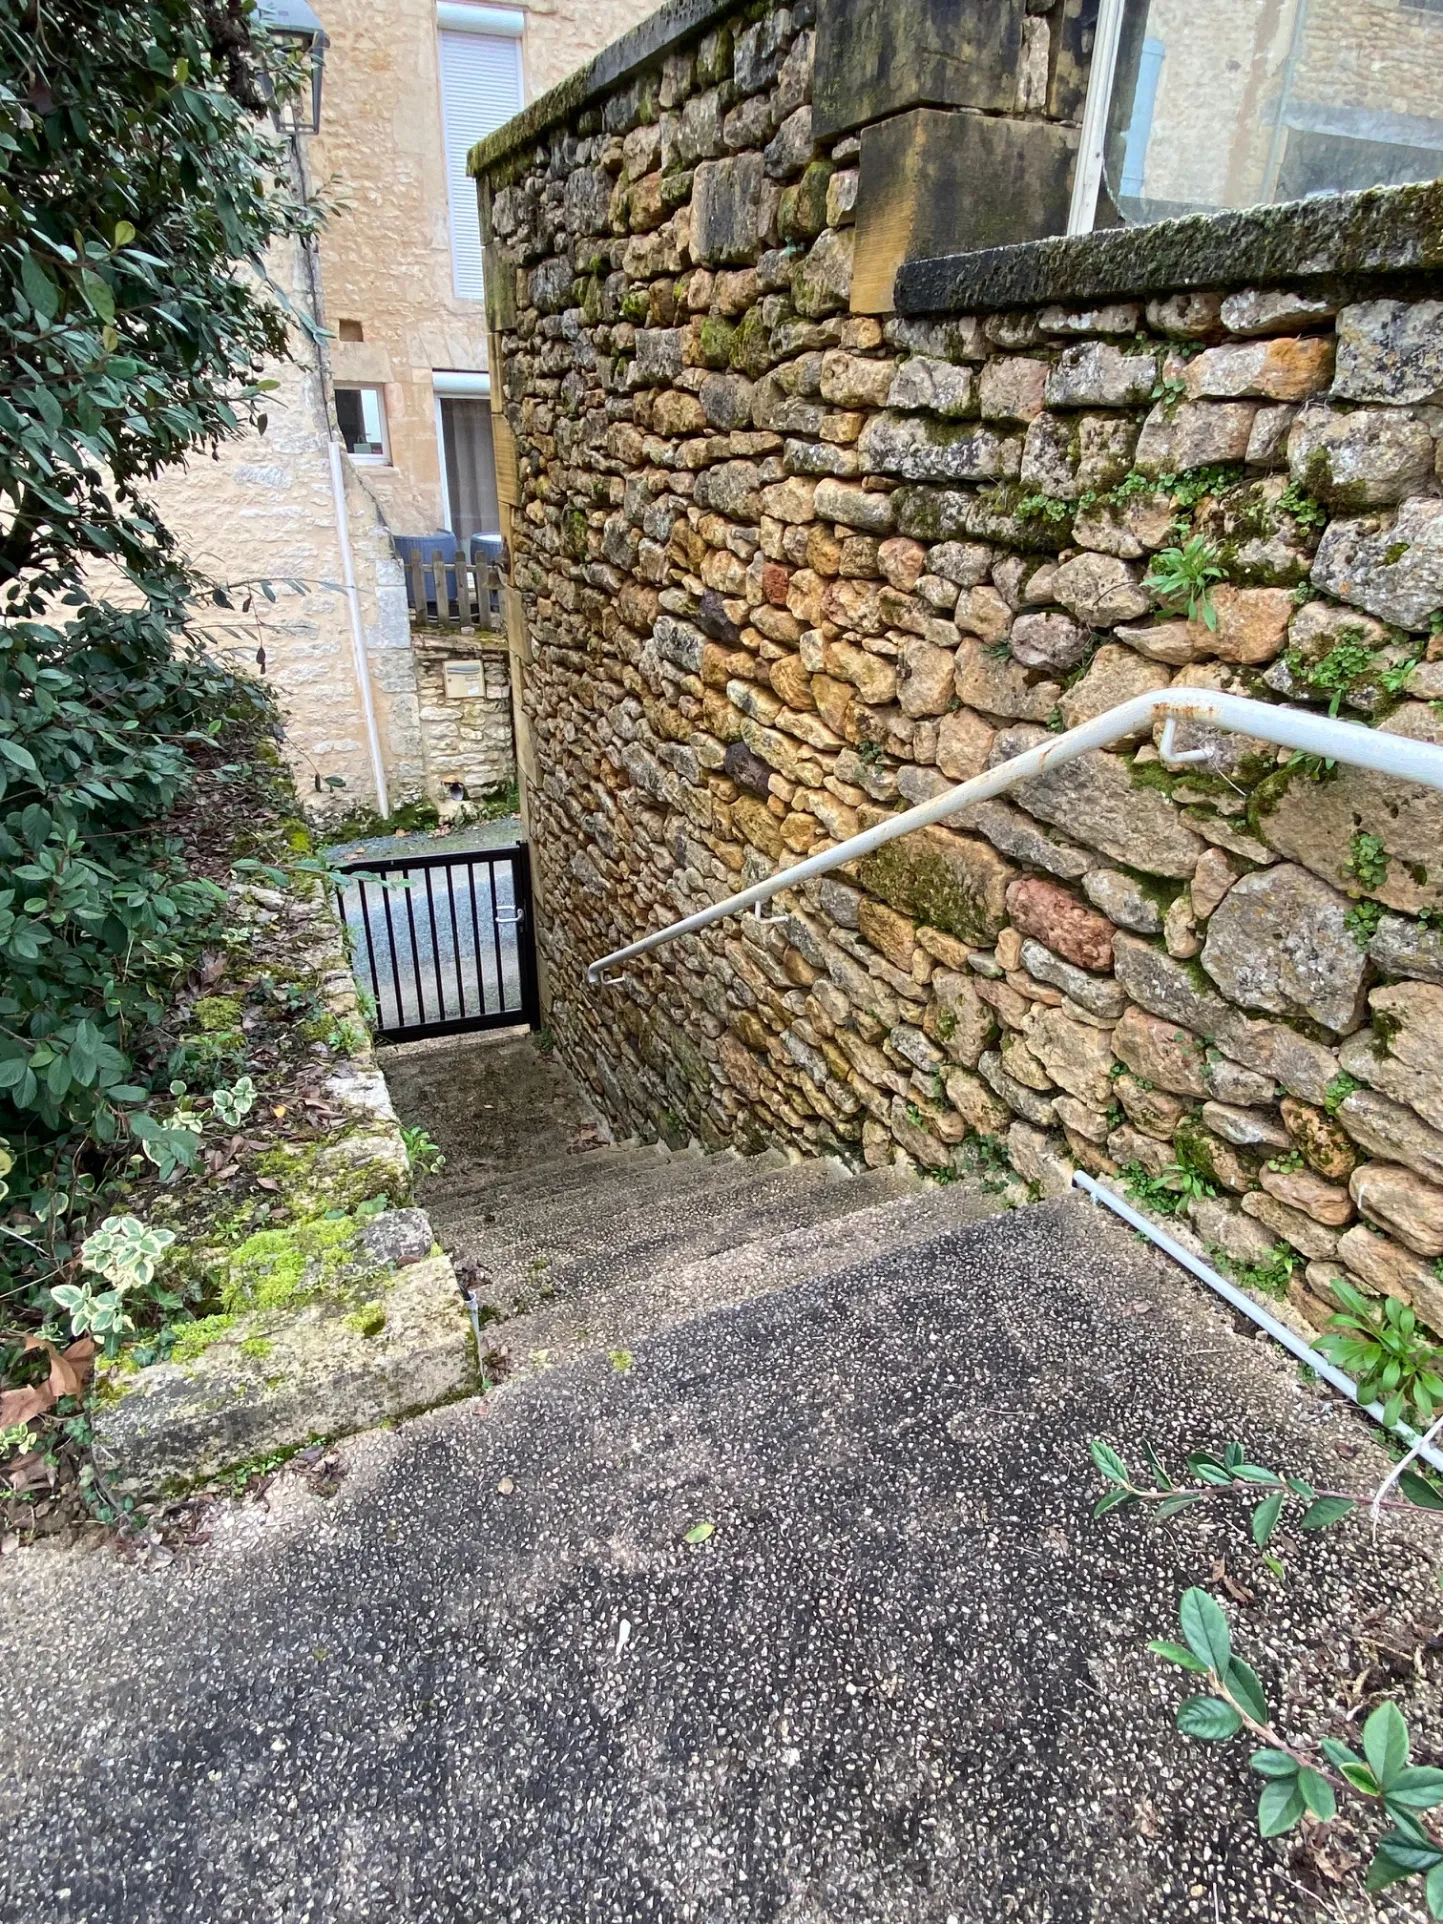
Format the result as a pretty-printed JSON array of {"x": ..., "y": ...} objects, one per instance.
[{"x": 526, "y": 937}]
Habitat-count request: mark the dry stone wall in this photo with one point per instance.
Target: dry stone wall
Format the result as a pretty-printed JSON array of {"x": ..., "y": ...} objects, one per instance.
[{"x": 787, "y": 570}]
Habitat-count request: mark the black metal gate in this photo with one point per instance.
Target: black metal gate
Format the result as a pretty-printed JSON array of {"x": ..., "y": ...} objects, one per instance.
[{"x": 444, "y": 943}]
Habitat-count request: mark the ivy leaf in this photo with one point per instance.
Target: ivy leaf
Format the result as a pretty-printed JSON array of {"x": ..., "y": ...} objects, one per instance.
[
  {"x": 1280, "y": 1806},
  {"x": 1205, "y": 1627},
  {"x": 1265, "y": 1518},
  {"x": 1209, "y": 1718}
]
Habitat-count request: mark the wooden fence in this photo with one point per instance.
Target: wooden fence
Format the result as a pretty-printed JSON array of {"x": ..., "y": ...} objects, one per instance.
[{"x": 455, "y": 594}]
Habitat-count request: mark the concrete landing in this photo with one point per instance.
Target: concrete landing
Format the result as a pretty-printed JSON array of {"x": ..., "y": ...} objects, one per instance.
[{"x": 902, "y": 1683}]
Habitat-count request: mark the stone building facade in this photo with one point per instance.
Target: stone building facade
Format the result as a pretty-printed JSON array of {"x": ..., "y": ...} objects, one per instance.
[
  {"x": 785, "y": 568},
  {"x": 381, "y": 313}
]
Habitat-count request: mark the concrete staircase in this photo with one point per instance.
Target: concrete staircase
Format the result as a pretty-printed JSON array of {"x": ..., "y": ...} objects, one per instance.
[{"x": 598, "y": 1250}]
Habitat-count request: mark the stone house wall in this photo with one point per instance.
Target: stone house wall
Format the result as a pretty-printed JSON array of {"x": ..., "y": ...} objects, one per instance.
[{"x": 786, "y": 569}]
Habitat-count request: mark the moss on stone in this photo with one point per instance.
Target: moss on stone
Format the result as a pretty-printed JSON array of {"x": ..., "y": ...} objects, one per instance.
[
  {"x": 573, "y": 534},
  {"x": 257, "y": 1348},
  {"x": 213, "y": 1013},
  {"x": 714, "y": 340},
  {"x": 802, "y": 213},
  {"x": 278, "y": 1267},
  {"x": 368, "y": 1320},
  {"x": 751, "y": 347},
  {"x": 919, "y": 881},
  {"x": 195, "y": 1338}
]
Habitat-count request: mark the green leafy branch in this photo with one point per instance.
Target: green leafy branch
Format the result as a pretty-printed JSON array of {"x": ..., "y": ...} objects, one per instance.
[
  {"x": 1232, "y": 1475},
  {"x": 1295, "y": 1783},
  {"x": 1181, "y": 579}
]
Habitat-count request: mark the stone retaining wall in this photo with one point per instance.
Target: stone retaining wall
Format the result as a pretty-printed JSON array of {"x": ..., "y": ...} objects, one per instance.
[{"x": 787, "y": 568}]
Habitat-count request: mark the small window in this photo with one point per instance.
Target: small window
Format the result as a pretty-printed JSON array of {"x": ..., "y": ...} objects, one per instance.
[
  {"x": 470, "y": 468},
  {"x": 361, "y": 416},
  {"x": 350, "y": 330},
  {"x": 1421, "y": 6}
]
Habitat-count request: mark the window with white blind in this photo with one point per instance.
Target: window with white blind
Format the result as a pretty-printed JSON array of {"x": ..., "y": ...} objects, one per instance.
[{"x": 480, "y": 91}]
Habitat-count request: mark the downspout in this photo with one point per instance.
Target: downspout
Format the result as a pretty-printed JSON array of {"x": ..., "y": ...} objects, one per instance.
[
  {"x": 317, "y": 333},
  {"x": 358, "y": 633}
]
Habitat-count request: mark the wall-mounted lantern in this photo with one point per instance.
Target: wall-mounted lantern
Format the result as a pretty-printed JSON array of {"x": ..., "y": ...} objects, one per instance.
[{"x": 296, "y": 27}]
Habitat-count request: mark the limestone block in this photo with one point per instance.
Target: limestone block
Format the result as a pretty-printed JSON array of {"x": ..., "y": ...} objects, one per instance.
[
  {"x": 1402, "y": 1054},
  {"x": 1127, "y": 1146},
  {"x": 1279, "y": 942},
  {"x": 1323, "y": 1142},
  {"x": 1039, "y": 1158},
  {"x": 1391, "y": 351},
  {"x": 1049, "y": 457},
  {"x": 1392, "y": 1270},
  {"x": 1098, "y": 995},
  {"x": 902, "y": 563},
  {"x": 1399, "y": 1201},
  {"x": 1011, "y": 388},
  {"x": 1123, "y": 899},
  {"x": 1302, "y": 1189},
  {"x": 1016, "y": 834},
  {"x": 1245, "y": 1128},
  {"x": 791, "y": 147},
  {"x": 316, "y": 1374},
  {"x": 854, "y": 507},
  {"x": 935, "y": 183},
  {"x": 1154, "y": 1111},
  {"x": 1194, "y": 434},
  {"x": 954, "y": 882},
  {"x": 917, "y": 448},
  {"x": 1223, "y": 1226},
  {"x": 1095, "y": 374},
  {"x": 1402, "y": 946},
  {"x": 1115, "y": 674},
  {"x": 1273, "y": 310},
  {"x": 1095, "y": 801},
  {"x": 1161, "y": 1053},
  {"x": 976, "y": 1103},
  {"x": 1049, "y": 640},
  {"x": 1021, "y": 1100},
  {"x": 1315, "y": 822},
  {"x": 1059, "y": 921},
  {"x": 941, "y": 387},
  {"x": 925, "y": 679},
  {"x": 1020, "y": 1063},
  {"x": 1276, "y": 370},
  {"x": 1076, "y": 1056},
  {"x": 1366, "y": 458},
  {"x": 1393, "y": 1132},
  {"x": 726, "y": 200},
  {"x": 1100, "y": 590},
  {"x": 1310, "y": 1238},
  {"x": 1002, "y": 687},
  {"x": 874, "y": 62},
  {"x": 823, "y": 282},
  {"x": 1389, "y": 565}
]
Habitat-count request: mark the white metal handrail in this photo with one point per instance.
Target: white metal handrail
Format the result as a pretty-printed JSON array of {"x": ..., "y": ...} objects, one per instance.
[{"x": 1296, "y": 728}]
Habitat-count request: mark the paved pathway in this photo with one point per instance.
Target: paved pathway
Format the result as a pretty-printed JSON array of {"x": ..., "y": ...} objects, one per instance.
[{"x": 902, "y": 1683}]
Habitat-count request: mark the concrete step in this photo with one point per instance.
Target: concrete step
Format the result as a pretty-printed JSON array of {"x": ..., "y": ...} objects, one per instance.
[
  {"x": 634, "y": 1172},
  {"x": 614, "y": 1306},
  {"x": 628, "y": 1207},
  {"x": 443, "y": 1197}
]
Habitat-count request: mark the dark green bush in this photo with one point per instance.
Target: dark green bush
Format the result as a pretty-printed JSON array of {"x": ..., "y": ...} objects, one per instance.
[{"x": 141, "y": 179}]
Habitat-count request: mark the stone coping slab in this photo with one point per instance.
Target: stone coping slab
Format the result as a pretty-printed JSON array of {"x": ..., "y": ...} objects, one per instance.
[
  {"x": 1384, "y": 230},
  {"x": 653, "y": 37},
  {"x": 277, "y": 1380}
]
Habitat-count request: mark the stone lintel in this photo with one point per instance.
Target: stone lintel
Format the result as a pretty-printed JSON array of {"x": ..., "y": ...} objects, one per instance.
[
  {"x": 1385, "y": 230},
  {"x": 879, "y": 57}
]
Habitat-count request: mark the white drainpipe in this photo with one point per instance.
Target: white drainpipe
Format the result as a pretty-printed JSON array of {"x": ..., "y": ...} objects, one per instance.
[{"x": 358, "y": 633}]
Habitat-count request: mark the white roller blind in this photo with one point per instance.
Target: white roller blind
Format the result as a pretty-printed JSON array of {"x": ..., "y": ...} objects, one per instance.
[{"x": 480, "y": 91}]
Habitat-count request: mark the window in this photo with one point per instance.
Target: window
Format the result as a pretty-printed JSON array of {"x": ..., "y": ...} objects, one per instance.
[
  {"x": 480, "y": 91},
  {"x": 470, "y": 467},
  {"x": 1238, "y": 104},
  {"x": 350, "y": 331},
  {"x": 361, "y": 417}
]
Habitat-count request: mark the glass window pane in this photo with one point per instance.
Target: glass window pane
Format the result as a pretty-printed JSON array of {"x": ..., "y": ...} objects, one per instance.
[
  {"x": 361, "y": 417},
  {"x": 1241, "y": 102},
  {"x": 470, "y": 468}
]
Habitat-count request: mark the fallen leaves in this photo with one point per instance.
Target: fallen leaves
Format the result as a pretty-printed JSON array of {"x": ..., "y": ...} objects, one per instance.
[
  {"x": 699, "y": 1533},
  {"x": 69, "y": 1372}
]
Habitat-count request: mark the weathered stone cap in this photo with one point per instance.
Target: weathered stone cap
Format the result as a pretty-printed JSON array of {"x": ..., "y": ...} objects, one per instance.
[
  {"x": 1385, "y": 230},
  {"x": 653, "y": 37}
]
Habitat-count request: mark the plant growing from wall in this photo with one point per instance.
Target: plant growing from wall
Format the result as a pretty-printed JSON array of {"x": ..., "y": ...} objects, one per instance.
[
  {"x": 141, "y": 181},
  {"x": 1181, "y": 579},
  {"x": 1380, "y": 1344}
]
